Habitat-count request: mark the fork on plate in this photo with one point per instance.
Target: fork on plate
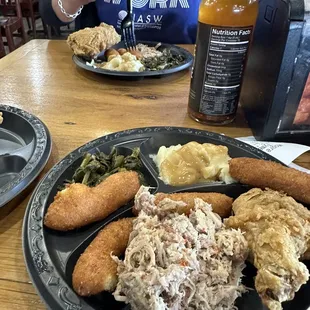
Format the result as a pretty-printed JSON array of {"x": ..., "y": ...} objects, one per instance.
[{"x": 128, "y": 28}]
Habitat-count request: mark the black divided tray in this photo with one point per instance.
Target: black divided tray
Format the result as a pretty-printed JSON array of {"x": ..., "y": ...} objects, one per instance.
[
  {"x": 51, "y": 256},
  {"x": 188, "y": 61},
  {"x": 25, "y": 146}
]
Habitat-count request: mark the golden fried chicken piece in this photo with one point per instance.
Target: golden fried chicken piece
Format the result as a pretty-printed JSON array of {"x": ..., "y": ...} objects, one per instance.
[
  {"x": 91, "y": 41},
  {"x": 277, "y": 229}
]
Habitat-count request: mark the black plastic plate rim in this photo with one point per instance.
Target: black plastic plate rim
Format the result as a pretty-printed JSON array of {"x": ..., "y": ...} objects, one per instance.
[
  {"x": 49, "y": 283},
  {"x": 80, "y": 62},
  {"x": 37, "y": 161}
]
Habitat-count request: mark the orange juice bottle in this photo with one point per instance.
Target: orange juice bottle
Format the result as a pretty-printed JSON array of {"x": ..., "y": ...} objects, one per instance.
[{"x": 225, "y": 30}]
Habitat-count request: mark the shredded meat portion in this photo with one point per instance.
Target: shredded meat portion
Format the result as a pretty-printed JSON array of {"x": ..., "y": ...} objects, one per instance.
[
  {"x": 149, "y": 51},
  {"x": 177, "y": 262}
]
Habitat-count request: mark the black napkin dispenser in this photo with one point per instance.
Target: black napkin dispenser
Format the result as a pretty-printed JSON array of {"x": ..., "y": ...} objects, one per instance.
[{"x": 276, "y": 86}]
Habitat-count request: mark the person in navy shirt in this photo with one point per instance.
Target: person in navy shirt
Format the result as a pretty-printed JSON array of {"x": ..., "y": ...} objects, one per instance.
[{"x": 167, "y": 21}]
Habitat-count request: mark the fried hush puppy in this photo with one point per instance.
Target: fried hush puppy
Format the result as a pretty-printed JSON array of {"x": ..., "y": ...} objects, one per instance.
[
  {"x": 221, "y": 204},
  {"x": 95, "y": 270},
  {"x": 79, "y": 205},
  {"x": 268, "y": 174}
]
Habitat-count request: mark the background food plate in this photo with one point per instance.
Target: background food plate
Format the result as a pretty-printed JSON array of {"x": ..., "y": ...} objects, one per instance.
[
  {"x": 25, "y": 146},
  {"x": 81, "y": 62},
  {"x": 51, "y": 256}
]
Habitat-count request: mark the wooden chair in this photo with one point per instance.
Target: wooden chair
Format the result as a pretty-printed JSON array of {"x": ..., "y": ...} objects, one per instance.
[
  {"x": 12, "y": 26},
  {"x": 30, "y": 10},
  {"x": 2, "y": 49}
]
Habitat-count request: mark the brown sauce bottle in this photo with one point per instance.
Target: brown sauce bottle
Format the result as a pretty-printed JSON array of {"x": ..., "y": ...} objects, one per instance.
[{"x": 225, "y": 30}]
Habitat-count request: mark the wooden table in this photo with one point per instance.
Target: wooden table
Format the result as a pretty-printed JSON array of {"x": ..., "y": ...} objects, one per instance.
[{"x": 77, "y": 107}]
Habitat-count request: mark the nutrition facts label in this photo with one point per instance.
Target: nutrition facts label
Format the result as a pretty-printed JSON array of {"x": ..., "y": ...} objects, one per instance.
[{"x": 224, "y": 65}]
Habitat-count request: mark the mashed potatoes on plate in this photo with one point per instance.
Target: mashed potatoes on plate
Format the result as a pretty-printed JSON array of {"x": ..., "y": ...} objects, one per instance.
[
  {"x": 126, "y": 63},
  {"x": 193, "y": 163}
]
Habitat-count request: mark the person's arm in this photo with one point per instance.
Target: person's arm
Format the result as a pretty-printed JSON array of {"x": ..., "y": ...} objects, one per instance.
[{"x": 52, "y": 15}]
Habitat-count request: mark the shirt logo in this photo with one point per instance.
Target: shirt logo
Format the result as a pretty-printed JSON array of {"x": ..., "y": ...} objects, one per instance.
[
  {"x": 153, "y": 4},
  {"x": 122, "y": 14},
  {"x": 142, "y": 21}
]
